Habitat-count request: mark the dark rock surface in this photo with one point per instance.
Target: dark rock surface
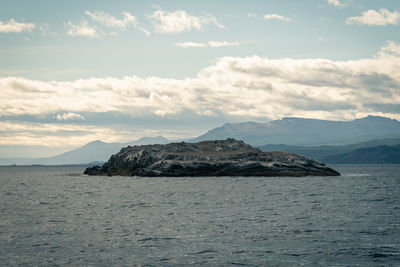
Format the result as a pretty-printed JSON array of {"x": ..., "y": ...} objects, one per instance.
[{"x": 208, "y": 158}]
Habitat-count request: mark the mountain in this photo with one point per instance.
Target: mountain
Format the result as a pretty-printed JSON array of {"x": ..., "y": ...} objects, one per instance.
[
  {"x": 369, "y": 155},
  {"x": 93, "y": 151},
  {"x": 322, "y": 152},
  {"x": 149, "y": 141},
  {"x": 306, "y": 132},
  {"x": 317, "y": 139},
  {"x": 96, "y": 151}
]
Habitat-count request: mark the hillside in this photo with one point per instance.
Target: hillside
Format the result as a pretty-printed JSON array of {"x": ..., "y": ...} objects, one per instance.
[
  {"x": 375, "y": 155},
  {"x": 323, "y": 153},
  {"x": 307, "y": 132},
  {"x": 95, "y": 151}
]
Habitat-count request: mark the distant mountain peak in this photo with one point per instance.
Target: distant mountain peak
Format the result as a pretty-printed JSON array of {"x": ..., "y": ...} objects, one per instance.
[
  {"x": 96, "y": 142},
  {"x": 152, "y": 139},
  {"x": 372, "y": 117},
  {"x": 241, "y": 123},
  {"x": 96, "y": 150},
  {"x": 298, "y": 119}
]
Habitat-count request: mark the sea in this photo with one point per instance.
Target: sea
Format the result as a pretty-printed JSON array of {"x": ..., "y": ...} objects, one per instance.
[{"x": 51, "y": 216}]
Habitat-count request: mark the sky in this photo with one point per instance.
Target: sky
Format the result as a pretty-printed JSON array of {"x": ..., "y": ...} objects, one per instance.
[{"x": 76, "y": 71}]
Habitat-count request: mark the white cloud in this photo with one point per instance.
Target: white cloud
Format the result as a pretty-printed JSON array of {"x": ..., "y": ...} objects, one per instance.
[
  {"x": 276, "y": 17},
  {"x": 69, "y": 116},
  {"x": 391, "y": 47},
  {"x": 190, "y": 44},
  {"x": 69, "y": 135},
  {"x": 233, "y": 86},
  {"x": 13, "y": 26},
  {"x": 180, "y": 21},
  {"x": 45, "y": 30},
  {"x": 376, "y": 18},
  {"x": 207, "y": 44},
  {"x": 222, "y": 44},
  {"x": 82, "y": 29},
  {"x": 270, "y": 17},
  {"x": 336, "y": 3},
  {"x": 57, "y": 135},
  {"x": 110, "y": 21}
]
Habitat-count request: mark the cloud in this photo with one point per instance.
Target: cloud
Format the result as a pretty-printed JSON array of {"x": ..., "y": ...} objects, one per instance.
[
  {"x": 276, "y": 17},
  {"x": 387, "y": 108},
  {"x": 232, "y": 87},
  {"x": 13, "y": 26},
  {"x": 44, "y": 29},
  {"x": 336, "y": 3},
  {"x": 270, "y": 17},
  {"x": 70, "y": 135},
  {"x": 55, "y": 135},
  {"x": 391, "y": 47},
  {"x": 207, "y": 44},
  {"x": 371, "y": 17},
  {"x": 82, "y": 29},
  {"x": 222, "y": 44},
  {"x": 180, "y": 21},
  {"x": 69, "y": 116},
  {"x": 110, "y": 21},
  {"x": 190, "y": 44}
]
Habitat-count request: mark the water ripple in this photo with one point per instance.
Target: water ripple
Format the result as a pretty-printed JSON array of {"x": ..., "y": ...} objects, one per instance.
[{"x": 55, "y": 216}]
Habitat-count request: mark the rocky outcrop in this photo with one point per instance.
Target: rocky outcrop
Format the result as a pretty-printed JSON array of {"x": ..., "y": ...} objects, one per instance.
[{"x": 208, "y": 158}]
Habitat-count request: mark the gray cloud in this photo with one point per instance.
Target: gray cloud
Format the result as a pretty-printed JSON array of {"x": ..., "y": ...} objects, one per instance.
[
  {"x": 314, "y": 72},
  {"x": 227, "y": 84},
  {"x": 381, "y": 107},
  {"x": 234, "y": 88},
  {"x": 304, "y": 103}
]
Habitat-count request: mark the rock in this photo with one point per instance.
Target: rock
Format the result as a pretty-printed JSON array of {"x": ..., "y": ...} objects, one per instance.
[
  {"x": 92, "y": 170},
  {"x": 208, "y": 158}
]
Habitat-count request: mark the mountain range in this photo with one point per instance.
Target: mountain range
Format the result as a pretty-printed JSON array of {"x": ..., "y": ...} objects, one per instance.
[
  {"x": 306, "y": 132},
  {"x": 380, "y": 151},
  {"x": 319, "y": 139},
  {"x": 95, "y": 151},
  {"x": 368, "y": 155}
]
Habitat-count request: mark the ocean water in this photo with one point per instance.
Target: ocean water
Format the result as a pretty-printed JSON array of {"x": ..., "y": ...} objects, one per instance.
[{"x": 55, "y": 216}]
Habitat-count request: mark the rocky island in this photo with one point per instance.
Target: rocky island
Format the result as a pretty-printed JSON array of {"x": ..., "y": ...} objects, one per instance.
[{"x": 208, "y": 158}]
